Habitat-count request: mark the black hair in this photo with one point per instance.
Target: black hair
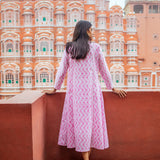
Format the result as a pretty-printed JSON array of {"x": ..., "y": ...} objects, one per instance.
[{"x": 79, "y": 46}]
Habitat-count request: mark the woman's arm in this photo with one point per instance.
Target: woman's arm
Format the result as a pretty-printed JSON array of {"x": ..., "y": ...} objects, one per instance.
[
  {"x": 62, "y": 70},
  {"x": 103, "y": 69}
]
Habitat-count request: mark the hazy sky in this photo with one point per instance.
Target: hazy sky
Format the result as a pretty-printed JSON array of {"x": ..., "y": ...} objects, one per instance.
[{"x": 118, "y": 2}]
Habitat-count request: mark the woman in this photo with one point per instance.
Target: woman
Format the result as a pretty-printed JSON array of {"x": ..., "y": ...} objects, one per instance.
[{"x": 83, "y": 124}]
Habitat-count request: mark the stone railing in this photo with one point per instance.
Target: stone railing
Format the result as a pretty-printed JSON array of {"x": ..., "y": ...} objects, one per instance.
[{"x": 30, "y": 121}]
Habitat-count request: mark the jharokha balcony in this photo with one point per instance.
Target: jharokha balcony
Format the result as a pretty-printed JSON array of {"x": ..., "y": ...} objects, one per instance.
[{"x": 30, "y": 121}]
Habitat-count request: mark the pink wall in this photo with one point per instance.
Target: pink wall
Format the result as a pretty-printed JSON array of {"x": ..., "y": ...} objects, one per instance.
[{"x": 29, "y": 130}]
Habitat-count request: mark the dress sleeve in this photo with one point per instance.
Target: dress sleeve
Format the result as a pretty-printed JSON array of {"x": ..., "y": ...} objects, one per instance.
[
  {"x": 62, "y": 70},
  {"x": 103, "y": 69}
]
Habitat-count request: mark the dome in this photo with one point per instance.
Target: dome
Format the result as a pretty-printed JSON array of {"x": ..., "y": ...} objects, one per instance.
[
  {"x": 130, "y": 14},
  {"x": 27, "y": 66},
  {"x": 60, "y": 33},
  {"x": 59, "y": 7},
  {"x": 116, "y": 9},
  {"x": 27, "y": 40},
  {"x": 27, "y": 34},
  {"x": 132, "y": 38},
  {"x": 131, "y": 69}
]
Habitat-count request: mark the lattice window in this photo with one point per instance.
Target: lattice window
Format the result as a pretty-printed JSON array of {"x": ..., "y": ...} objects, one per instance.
[
  {"x": 2, "y": 46},
  {"x": 27, "y": 49},
  {"x": 17, "y": 17},
  {"x": 51, "y": 77},
  {"x": 3, "y": 20},
  {"x": 27, "y": 19},
  {"x": 104, "y": 49},
  {"x": 117, "y": 46},
  {"x": 117, "y": 77},
  {"x": 44, "y": 15},
  {"x": 17, "y": 47},
  {"x": 9, "y": 47},
  {"x": 60, "y": 50},
  {"x": 101, "y": 4},
  {"x": 44, "y": 77},
  {"x": 51, "y": 46},
  {"x": 9, "y": 78},
  {"x": 9, "y": 17},
  {"x": 75, "y": 16},
  {"x": 16, "y": 78},
  {"x": 27, "y": 80},
  {"x": 59, "y": 20},
  {"x": 44, "y": 46},
  {"x": 102, "y": 22},
  {"x": 91, "y": 18},
  {"x": 51, "y": 15},
  {"x": 36, "y": 77}
]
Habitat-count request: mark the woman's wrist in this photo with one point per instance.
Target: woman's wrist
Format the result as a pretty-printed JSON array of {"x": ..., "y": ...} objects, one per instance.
[{"x": 54, "y": 89}]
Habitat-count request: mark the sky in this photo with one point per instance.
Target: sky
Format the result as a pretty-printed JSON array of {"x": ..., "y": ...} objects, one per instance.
[{"x": 117, "y": 2}]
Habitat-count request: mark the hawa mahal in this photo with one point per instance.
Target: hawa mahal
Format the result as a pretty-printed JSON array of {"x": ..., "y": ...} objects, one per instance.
[{"x": 33, "y": 35}]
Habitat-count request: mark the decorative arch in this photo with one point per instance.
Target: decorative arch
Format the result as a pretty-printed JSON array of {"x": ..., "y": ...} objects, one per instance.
[
  {"x": 44, "y": 74},
  {"x": 44, "y": 44},
  {"x": 116, "y": 18},
  {"x": 131, "y": 22},
  {"x": 10, "y": 13},
  {"x": 75, "y": 12},
  {"x": 44, "y": 13},
  {"x": 116, "y": 45},
  {"x": 10, "y": 75},
  {"x": 10, "y": 44},
  {"x": 117, "y": 73}
]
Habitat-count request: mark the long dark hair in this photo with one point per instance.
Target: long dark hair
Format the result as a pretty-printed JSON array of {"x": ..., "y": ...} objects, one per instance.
[{"x": 79, "y": 46}]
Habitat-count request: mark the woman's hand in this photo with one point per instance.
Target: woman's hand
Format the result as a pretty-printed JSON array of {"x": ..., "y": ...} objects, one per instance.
[
  {"x": 49, "y": 91},
  {"x": 121, "y": 93}
]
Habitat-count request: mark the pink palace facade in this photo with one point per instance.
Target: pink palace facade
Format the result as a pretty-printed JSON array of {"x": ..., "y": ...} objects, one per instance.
[{"x": 33, "y": 36}]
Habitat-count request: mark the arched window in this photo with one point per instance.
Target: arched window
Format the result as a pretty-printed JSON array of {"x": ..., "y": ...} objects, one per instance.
[
  {"x": 75, "y": 16},
  {"x": 27, "y": 82},
  {"x": 101, "y": 4},
  {"x": 44, "y": 46},
  {"x": 44, "y": 13},
  {"x": 132, "y": 80},
  {"x": 91, "y": 18},
  {"x": 27, "y": 50},
  {"x": 116, "y": 45},
  {"x": 117, "y": 77},
  {"x": 60, "y": 50},
  {"x": 75, "y": 12},
  {"x": 116, "y": 22},
  {"x": 9, "y": 47},
  {"x": 9, "y": 78},
  {"x": 27, "y": 19},
  {"x": 102, "y": 22},
  {"x": 44, "y": 77},
  {"x": 104, "y": 48},
  {"x": 132, "y": 49}
]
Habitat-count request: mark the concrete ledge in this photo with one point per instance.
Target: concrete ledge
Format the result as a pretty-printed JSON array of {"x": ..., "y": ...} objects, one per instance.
[
  {"x": 30, "y": 121},
  {"x": 22, "y": 127}
]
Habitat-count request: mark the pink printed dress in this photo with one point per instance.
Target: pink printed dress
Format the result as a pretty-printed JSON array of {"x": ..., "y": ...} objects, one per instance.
[{"x": 83, "y": 124}]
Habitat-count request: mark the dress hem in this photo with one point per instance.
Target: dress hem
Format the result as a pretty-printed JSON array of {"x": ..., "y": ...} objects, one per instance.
[{"x": 83, "y": 150}]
